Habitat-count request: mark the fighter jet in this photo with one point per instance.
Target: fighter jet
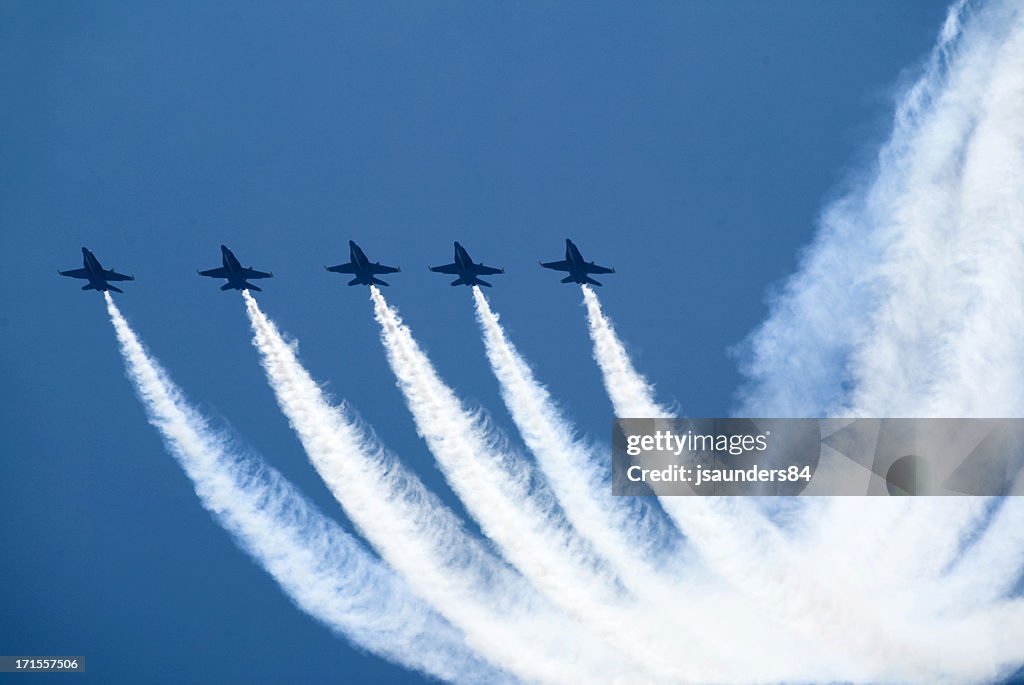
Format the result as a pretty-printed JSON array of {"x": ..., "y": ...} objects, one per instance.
[
  {"x": 577, "y": 267},
  {"x": 363, "y": 268},
  {"x": 96, "y": 274},
  {"x": 466, "y": 269},
  {"x": 235, "y": 272}
]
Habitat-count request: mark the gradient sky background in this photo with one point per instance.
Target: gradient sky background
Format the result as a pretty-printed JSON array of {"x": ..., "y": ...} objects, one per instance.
[{"x": 690, "y": 145}]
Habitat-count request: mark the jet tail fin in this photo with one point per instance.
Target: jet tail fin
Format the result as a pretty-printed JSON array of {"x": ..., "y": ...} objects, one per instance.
[
  {"x": 458, "y": 281},
  {"x": 355, "y": 281},
  {"x": 591, "y": 281},
  {"x": 226, "y": 286},
  {"x": 568, "y": 279},
  {"x": 115, "y": 289},
  {"x": 88, "y": 286},
  {"x": 250, "y": 286},
  {"x": 378, "y": 281},
  {"x": 481, "y": 281}
]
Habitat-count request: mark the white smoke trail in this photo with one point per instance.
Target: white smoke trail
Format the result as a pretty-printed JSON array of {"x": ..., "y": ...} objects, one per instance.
[
  {"x": 915, "y": 279},
  {"x": 855, "y": 629},
  {"x": 622, "y": 530},
  {"x": 910, "y": 303},
  {"x": 631, "y": 395},
  {"x": 497, "y": 488},
  {"x": 797, "y": 363},
  {"x": 720, "y": 536},
  {"x": 320, "y": 567},
  {"x": 946, "y": 332},
  {"x": 502, "y": 617}
]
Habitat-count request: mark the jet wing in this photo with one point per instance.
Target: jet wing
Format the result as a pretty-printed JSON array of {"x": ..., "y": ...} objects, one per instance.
[
  {"x": 595, "y": 269},
  {"x": 481, "y": 270},
  {"x": 75, "y": 273},
  {"x": 349, "y": 268},
  {"x": 382, "y": 269},
  {"x": 219, "y": 272},
  {"x": 112, "y": 275},
  {"x": 452, "y": 268},
  {"x": 253, "y": 273},
  {"x": 561, "y": 265}
]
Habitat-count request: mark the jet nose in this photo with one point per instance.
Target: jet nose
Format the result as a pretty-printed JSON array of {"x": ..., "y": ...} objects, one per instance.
[
  {"x": 568, "y": 242},
  {"x": 457, "y": 246},
  {"x": 85, "y": 250},
  {"x": 223, "y": 248},
  {"x": 351, "y": 244}
]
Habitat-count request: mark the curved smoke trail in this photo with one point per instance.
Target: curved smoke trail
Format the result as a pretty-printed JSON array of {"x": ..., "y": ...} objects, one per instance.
[
  {"x": 502, "y": 617},
  {"x": 740, "y": 547},
  {"x": 320, "y": 567},
  {"x": 497, "y": 488},
  {"x": 944, "y": 330},
  {"x": 903, "y": 632},
  {"x": 874, "y": 324},
  {"x": 797, "y": 361},
  {"x": 623, "y": 530},
  {"x": 721, "y": 535},
  {"x": 910, "y": 301}
]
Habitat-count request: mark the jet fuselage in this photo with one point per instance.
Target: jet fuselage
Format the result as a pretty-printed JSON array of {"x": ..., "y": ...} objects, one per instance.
[
  {"x": 364, "y": 271},
  {"x": 468, "y": 272},
  {"x": 234, "y": 267},
  {"x": 579, "y": 269},
  {"x": 97, "y": 277},
  {"x": 231, "y": 269},
  {"x": 94, "y": 272}
]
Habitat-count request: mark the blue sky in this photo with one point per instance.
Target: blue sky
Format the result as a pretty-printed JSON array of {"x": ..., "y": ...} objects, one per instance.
[{"x": 688, "y": 145}]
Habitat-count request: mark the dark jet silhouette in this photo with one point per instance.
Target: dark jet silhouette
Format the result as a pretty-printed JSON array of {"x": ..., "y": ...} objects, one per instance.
[
  {"x": 96, "y": 274},
  {"x": 235, "y": 272},
  {"x": 363, "y": 268},
  {"x": 466, "y": 269},
  {"x": 577, "y": 267}
]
